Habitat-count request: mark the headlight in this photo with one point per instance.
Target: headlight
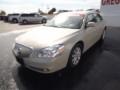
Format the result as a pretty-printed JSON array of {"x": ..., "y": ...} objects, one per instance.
[{"x": 51, "y": 51}]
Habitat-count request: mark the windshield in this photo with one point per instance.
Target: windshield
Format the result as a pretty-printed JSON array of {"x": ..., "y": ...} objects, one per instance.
[{"x": 66, "y": 21}]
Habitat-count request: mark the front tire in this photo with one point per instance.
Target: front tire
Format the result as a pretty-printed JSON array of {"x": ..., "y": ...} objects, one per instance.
[
  {"x": 75, "y": 56},
  {"x": 15, "y": 21}
]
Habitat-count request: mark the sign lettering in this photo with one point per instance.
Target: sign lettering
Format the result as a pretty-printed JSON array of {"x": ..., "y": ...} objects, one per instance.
[{"x": 110, "y": 2}]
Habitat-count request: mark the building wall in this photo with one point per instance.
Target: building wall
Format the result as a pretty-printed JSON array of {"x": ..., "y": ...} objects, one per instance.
[{"x": 110, "y": 10}]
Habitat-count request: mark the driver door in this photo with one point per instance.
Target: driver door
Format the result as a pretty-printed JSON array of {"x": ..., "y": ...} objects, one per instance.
[{"x": 90, "y": 31}]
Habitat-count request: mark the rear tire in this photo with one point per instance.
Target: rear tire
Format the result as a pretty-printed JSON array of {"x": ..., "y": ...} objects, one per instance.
[
  {"x": 103, "y": 36},
  {"x": 44, "y": 21}
]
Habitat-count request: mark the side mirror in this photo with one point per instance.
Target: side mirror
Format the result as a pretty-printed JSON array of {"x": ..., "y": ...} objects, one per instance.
[{"x": 91, "y": 24}]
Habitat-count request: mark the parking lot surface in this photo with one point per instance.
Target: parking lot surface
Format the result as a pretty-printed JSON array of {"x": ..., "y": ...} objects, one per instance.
[
  {"x": 8, "y": 27},
  {"x": 99, "y": 68}
]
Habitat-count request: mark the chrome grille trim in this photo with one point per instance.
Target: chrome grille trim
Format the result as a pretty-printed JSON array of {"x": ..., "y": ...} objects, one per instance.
[{"x": 22, "y": 51}]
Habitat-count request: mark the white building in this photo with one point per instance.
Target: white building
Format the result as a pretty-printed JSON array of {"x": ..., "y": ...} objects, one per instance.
[{"x": 111, "y": 12}]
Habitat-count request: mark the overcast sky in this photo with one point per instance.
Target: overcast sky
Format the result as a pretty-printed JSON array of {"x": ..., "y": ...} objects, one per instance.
[{"x": 11, "y": 6}]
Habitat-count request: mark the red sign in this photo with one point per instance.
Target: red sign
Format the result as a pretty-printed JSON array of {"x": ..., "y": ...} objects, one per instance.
[{"x": 110, "y": 2}]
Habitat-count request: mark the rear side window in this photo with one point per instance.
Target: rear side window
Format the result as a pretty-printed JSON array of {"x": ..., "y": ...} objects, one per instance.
[
  {"x": 24, "y": 15},
  {"x": 31, "y": 15},
  {"x": 15, "y": 14},
  {"x": 27, "y": 15}
]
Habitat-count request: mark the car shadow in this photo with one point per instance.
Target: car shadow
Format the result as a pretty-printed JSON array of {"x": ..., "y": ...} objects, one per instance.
[
  {"x": 62, "y": 80},
  {"x": 25, "y": 24}
]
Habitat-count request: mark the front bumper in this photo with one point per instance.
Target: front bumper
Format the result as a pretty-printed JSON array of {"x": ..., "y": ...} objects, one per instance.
[{"x": 43, "y": 65}]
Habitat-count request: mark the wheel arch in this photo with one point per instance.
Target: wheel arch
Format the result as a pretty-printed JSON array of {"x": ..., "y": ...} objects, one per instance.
[
  {"x": 81, "y": 43},
  {"x": 14, "y": 19},
  {"x": 43, "y": 20},
  {"x": 24, "y": 20}
]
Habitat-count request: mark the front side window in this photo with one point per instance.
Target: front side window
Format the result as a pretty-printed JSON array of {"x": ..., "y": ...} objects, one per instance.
[
  {"x": 90, "y": 18},
  {"x": 98, "y": 17},
  {"x": 24, "y": 15},
  {"x": 66, "y": 21}
]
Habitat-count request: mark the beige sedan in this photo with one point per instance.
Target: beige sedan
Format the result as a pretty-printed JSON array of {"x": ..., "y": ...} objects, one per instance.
[{"x": 60, "y": 42}]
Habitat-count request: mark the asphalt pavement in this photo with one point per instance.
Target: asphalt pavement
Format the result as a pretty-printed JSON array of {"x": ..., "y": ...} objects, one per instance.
[
  {"x": 99, "y": 68},
  {"x": 8, "y": 27}
]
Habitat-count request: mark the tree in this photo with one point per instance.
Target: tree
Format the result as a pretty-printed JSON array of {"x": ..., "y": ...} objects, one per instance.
[
  {"x": 2, "y": 13},
  {"x": 52, "y": 11}
]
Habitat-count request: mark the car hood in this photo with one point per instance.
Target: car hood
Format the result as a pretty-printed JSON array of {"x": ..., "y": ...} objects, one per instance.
[{"x": 43, "y": 36}]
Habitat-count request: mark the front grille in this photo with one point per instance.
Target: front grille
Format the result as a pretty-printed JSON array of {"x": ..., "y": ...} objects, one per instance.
[
  {"x": 22, "y": 51},
  {"x": 20, "y": 60}
]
